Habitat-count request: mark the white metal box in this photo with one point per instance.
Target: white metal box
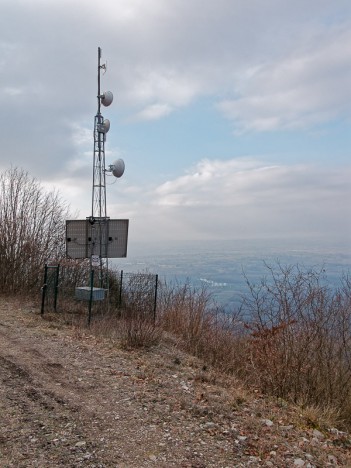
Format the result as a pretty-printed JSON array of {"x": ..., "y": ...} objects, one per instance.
[{"x": 83, "y": 293}]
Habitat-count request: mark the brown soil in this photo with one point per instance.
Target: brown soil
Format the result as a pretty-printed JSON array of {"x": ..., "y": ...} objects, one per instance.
[{"x": 70, "y": 400}]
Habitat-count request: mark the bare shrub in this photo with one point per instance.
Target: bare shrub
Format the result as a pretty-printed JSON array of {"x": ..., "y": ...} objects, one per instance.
[
  {"x": 300, "y": 338},
  {"x": 127, "y": 332},
  {"x": 103, "y": 326},
  {"x": 137, "y": 324},
  {"x": 295, "y": 342},
  {"x": 137, "y": 296},
  {"x": 206, "y": 330},
  {"x": 223, "y": 344},
  {"x": 32, "y": 224},
  {"x": 183, "y": 311},
  {"x": 138, "y": 332},
  {"x": 114, "y": 286},
  {"x": 73, "y": 273}
]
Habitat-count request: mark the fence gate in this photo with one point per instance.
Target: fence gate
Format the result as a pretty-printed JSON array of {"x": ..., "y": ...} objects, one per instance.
[{"x": 50, "y": 288}]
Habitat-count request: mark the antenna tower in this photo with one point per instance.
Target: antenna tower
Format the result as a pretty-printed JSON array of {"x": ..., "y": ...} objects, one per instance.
[
  {"x": 98, "y": 218},
  {"x": 98, "y": 237}
]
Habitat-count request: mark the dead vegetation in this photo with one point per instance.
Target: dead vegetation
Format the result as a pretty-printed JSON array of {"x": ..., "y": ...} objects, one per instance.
[
  {"x": 73, "y": 396},
  {"x": 32, "y": 223},
  {"x": 291, "y": 339}
]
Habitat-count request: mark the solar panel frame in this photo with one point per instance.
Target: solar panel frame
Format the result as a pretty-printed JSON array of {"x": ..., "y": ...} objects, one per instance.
[{"x": 107, "y": 238}]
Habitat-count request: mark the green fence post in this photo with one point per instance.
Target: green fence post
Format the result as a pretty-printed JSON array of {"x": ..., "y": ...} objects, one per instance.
[
  {"x": 56, "y": 287},
  {"x": 120, "y": 290},
  {"x": 155, "y": 299},
  {"x": 43, "y": 290},
  {"x": 91, "y": 295}
]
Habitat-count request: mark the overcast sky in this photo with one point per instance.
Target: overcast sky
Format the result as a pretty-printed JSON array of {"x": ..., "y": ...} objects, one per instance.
[{"x": 232, "y": 116}]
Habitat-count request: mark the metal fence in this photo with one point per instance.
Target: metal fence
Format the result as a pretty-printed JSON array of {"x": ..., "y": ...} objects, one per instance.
[
  {"x": 50, "y": 288},
  {"x": 138, "y": 294},
  {"x": 129, "y": 294}
]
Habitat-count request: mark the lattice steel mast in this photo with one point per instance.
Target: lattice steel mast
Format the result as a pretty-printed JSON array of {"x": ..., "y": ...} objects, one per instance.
[
  {"x": 99, "y": 219},
  {"x": 99, "y": 179},
  {"x": 97, "y": 237}
]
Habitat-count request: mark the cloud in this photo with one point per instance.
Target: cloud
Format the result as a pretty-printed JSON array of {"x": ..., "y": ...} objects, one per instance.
[
  {"x": 244, "y": 198},
  {"x": 228, "y": 199},
  {"x": 153, "y": 112},
  {"x": 172, "y": 53},
  {"x": 268, "y": 66},
  {"x": 307, "y": 88}
]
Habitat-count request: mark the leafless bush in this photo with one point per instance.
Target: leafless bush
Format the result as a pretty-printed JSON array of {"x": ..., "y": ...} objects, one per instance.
[
  {"x": 137, "y": 325},
  {"x": 32, "y": 223},
  {"x": 127, "y": 332},
  {"x": 295, "y": 342},
  {"x": 138, "y": 332},
  {"x": 300, "y": 338},
  {"x": 223, "y": 344},
  {"x": 206, "y": 330},
  {"x": 138, "y": 295},
  {"x": 74, "y": 273},
  {"x": 183, "y": 310}
]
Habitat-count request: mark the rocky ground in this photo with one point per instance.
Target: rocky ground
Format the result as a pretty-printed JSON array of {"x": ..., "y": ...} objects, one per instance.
[{"x": 70, "y": 400}]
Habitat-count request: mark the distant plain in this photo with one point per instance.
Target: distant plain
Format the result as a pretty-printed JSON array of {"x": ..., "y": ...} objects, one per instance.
[{"x": 222, "y": 265}]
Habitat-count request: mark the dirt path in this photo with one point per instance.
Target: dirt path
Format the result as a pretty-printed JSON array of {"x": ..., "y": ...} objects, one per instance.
[{"x": 68, "y": 400}]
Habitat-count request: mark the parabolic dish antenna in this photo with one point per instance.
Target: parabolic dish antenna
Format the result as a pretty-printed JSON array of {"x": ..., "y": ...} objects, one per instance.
[
  {"x": 118, "y": 168},
  {"x": 107, "y": 98},
  {"x": 104, "y": 127}
]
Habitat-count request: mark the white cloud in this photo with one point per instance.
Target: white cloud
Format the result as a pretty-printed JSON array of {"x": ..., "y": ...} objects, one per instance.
[
  {"x": 222, "y": 199},
  {"x": 308, "y": 87},
  {"x": 12, "y": 91},
  {"x": 244, "y": 197},
  {"x": 81, "y": 136},
  {"x": 154, "y": 112},
  {"x": 269, "y": 65}
]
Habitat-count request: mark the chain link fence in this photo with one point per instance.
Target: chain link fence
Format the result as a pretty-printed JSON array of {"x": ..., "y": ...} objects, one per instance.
[
  {"x": 129, "y": 294},
  {"x": 138, "y": 294},
  {"x": 50, "y": 288}
]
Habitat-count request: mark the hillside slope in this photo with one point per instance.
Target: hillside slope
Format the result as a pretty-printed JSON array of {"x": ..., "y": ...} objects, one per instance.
[{"x": 68, "y": 399}]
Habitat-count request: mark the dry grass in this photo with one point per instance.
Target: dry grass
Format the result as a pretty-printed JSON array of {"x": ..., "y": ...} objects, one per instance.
[
  {"x": 317, "y": 417},
  {"x": 205, "y": 330},
  {"x": 138, "y": 333},
  {"x": 295, "y": 346},
  {"x": 126, "y": 332}
]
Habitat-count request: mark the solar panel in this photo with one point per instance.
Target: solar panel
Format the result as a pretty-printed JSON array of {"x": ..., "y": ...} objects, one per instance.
[{"x": 107, "y": 238}]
